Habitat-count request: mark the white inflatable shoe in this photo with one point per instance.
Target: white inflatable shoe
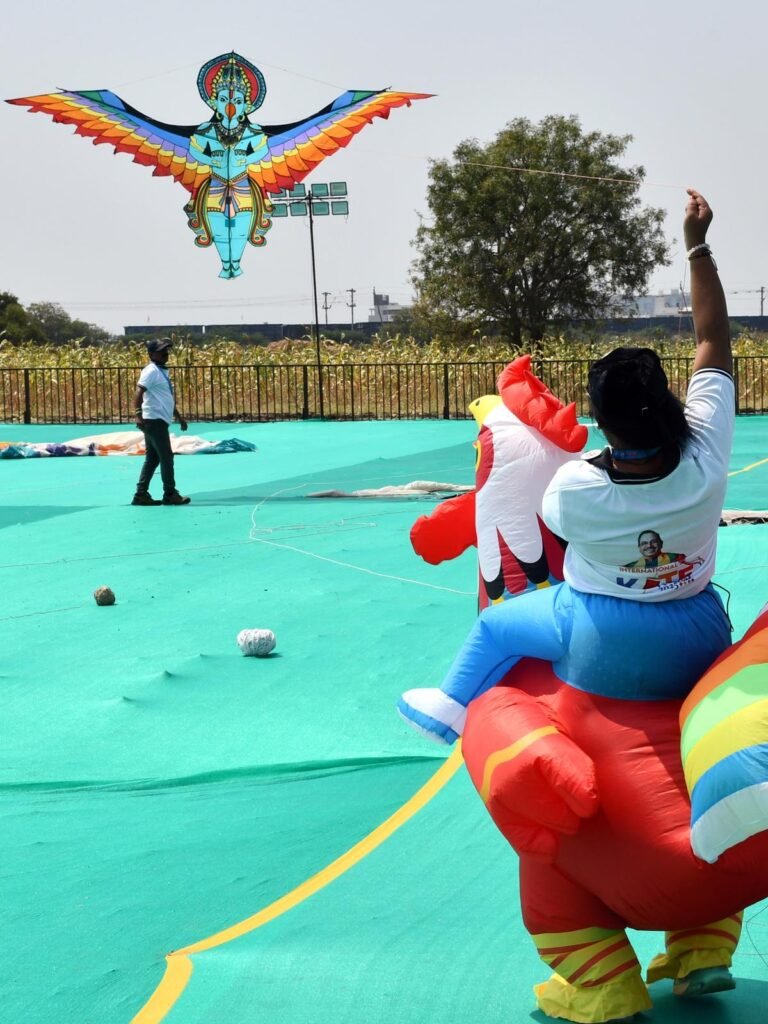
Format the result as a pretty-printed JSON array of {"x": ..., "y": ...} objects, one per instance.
[{"x": 433, "y": 713}]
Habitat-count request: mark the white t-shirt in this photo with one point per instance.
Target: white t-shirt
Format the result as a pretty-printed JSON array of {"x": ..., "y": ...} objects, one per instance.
[
  {"x": 158, "y": 402},
  {"x": 649, "y": 539}
]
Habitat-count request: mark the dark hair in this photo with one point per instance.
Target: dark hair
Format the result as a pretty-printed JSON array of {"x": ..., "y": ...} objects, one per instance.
[{"x": 629, "y": 395}]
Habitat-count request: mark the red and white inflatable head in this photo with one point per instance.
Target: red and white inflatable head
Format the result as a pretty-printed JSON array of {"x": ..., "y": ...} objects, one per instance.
[{"x": 526, "y": 434}]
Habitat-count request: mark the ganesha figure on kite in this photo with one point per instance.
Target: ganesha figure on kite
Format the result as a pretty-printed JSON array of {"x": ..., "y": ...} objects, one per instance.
[{"x": 228, "y": 164}]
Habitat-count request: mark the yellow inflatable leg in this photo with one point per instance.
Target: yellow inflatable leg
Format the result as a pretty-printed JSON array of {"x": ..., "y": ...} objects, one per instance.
[
  {"x": 598, "y": 976},
  {"x": 696, "y": 949}
]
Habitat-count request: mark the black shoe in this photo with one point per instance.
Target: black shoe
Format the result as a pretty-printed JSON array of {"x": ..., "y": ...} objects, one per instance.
[
  {"x": 145, "y": 499},
  {"x": 175, "y": 499}
]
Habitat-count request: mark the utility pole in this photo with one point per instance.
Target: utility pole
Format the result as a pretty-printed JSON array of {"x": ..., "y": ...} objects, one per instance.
[
  {"x": 317, "y": 318},
  {"x": 762, "y": 298},
  {"x": 352, "y": 303},
  {"x": 323, "y": 200},
  {"x": 326, "y": 306}
]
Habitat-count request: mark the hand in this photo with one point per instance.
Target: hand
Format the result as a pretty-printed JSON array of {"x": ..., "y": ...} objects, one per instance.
[
  {"x": 537, "y": 784},
  {"x": 182, "y": 423},
  {"x": 543, "y": 793},
  {"x": 698, "y": 217},
  {"x": 140, "y": 423}
]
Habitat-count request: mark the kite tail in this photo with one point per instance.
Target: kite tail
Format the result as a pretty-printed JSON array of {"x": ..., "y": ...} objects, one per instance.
[
  {"x": 261, "y": 222},
  {"x": 197, "y": 217}
]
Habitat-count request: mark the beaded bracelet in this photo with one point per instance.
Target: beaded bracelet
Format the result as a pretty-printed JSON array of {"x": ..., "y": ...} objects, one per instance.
[{"x": 702, "y": 249}]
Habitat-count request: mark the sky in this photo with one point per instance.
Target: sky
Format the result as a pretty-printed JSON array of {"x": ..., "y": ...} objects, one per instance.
[{"x": 97, "y": 233}]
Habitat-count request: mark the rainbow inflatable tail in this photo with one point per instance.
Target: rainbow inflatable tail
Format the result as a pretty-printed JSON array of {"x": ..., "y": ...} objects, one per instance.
[{"x": 724, "y": 725}]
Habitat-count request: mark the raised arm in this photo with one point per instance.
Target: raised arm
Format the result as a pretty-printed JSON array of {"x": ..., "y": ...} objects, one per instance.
[{"x": 710, "y": 314}]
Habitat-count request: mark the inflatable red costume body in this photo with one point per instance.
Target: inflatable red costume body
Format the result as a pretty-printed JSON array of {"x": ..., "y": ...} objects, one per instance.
[{"x": 590, "y": 792}]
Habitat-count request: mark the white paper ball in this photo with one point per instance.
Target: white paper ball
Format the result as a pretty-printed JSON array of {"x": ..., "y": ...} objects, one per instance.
[{"x": 256, "y": 642}]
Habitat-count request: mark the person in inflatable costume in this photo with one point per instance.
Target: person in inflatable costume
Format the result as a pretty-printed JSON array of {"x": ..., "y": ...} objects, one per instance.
[
  {"x": 665, "y": 472},
  {"x": 577, "y": 755}
]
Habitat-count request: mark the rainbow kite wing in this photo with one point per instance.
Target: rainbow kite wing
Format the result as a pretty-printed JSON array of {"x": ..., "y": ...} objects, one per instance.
[
  {"x": 296, "y": 149},
  {"x": 108, "y": 119}
]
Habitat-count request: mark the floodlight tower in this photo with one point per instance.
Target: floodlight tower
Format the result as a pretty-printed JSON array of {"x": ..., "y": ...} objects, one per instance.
[{"x": 322, "y": 200}]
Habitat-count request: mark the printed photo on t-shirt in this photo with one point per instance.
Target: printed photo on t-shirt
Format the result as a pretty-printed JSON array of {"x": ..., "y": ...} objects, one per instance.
[{"x": 657, "y": 568}]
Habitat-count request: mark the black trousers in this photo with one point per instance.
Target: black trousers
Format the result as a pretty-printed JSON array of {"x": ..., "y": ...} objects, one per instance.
[{"x": 157, "y": 440}]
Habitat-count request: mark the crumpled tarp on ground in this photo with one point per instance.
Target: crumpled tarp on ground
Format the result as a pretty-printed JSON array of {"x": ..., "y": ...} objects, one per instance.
[{"x": 121, "y": 442}]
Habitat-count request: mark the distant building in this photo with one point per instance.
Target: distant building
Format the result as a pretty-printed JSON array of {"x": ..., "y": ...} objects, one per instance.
[
  {"x": 384, "y": 311},
  {"x": 668, "y": 304},
  {"x": 248, "y": 334}
]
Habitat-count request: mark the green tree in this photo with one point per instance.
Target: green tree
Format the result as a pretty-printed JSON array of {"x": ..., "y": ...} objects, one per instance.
[
  {"x": 15, "y": 324},
  {"x": 52, "y": 319},
  {"x": 59, "y": 327},
  {"x": 508, "y": 250}
]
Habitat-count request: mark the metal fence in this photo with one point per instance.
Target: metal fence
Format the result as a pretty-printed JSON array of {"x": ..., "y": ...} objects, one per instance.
[{"x": 349, "y": 392}]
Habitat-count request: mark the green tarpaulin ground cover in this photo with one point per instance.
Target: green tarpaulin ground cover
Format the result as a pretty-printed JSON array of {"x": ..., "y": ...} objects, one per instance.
[{"x": 157, "y": 787}]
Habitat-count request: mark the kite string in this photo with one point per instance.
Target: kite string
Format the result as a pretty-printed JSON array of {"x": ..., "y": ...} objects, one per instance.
[
  {"x": 348, "y": 522},
  {"x": 261, "y": 63},
  {"x": 516, "y": 169},
  {"x": 336, "y": 524},
  {"x": 688, "y": 313},
  {"x": 360, "y": 568},
  {"x": 513, "y": 168},
  {"x": 748, "y": 921},
  {"x": 471, "y": 163}
]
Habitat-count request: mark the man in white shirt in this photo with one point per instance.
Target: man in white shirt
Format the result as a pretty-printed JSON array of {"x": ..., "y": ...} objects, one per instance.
[{"x": 155, "y": 407}]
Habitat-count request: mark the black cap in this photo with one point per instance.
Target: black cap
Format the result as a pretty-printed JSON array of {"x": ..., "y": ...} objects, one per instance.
[{"x": 159, "y": 345}]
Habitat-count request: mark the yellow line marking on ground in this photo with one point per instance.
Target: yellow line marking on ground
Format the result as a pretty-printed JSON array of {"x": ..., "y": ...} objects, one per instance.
[
  {"x": 178, "y": 969},
  {"x": 746, "y": 469}
]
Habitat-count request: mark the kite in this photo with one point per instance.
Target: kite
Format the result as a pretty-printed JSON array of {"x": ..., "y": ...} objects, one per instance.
[{"x": 229, "y": 164}]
